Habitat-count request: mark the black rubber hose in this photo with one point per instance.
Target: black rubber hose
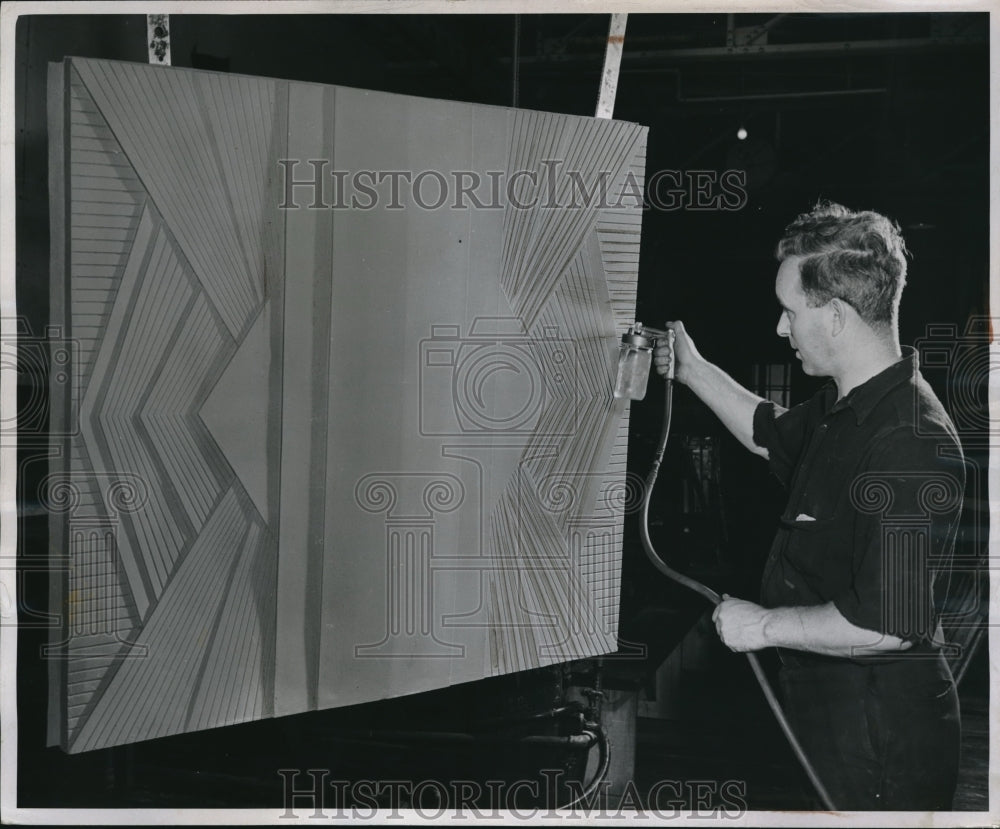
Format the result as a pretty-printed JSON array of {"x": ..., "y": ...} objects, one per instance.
[
  {"x": 604, "y": 764},
  {"x": 715, "y": 599}
]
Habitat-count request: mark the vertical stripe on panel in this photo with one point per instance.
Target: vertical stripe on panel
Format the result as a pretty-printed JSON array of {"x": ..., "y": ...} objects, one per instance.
[{"x": 308, "y": 261}]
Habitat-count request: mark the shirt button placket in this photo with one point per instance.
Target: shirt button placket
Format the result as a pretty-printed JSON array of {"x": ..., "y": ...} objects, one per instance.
[{"x": 804, "y": 470}]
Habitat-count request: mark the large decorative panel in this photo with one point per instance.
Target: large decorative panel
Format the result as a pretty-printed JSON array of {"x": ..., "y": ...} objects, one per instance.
[{"x": 336, "y": 421}]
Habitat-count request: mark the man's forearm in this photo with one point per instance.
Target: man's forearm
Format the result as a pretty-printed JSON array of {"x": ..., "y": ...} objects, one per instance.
[
  {"x": 745, "y": 626},
  {"x": 732, "y": 403},
  {"x": 823, "y": 629}
]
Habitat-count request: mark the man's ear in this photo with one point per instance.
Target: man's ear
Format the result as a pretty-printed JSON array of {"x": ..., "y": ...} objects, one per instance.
[{"x": 839, "y": 311}]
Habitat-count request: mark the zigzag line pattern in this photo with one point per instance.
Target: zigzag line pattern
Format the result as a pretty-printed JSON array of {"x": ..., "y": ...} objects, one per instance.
[
  {"x": 149, "y": 697},
  {"x": 176, "y": 276},
  {"x": 203, "y": 192},
  {"x": 618, "y": 235},
  {"x": 159, "y": 307},
  {"x": 541, "y": 239},
  {"x": 545, "y": 613},
  {"x": 571, "y": 271},
  {"x": 106, "y": 205}
]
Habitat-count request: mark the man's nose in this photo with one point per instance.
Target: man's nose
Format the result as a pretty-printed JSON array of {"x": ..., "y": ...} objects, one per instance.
[{"x": 783, "y": 329}]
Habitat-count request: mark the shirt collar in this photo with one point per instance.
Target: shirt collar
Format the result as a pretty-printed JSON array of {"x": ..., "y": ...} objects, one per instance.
[{"x": 864, "y": 398}]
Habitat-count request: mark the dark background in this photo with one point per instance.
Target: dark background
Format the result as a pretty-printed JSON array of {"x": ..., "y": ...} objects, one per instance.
[{"x": 881, "y": 111}]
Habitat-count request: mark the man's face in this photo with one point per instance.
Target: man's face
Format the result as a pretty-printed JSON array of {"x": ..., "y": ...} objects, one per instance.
[{"x": 808, "y": 329}]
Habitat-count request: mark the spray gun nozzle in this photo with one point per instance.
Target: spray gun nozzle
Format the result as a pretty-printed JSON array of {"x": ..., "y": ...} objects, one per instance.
[{"x": 642, "y": 336}]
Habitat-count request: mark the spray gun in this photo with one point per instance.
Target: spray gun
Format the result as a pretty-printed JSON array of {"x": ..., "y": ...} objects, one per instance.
[
  {"x": 635, "y": 358},
  {"x": 634, "y": 361}
]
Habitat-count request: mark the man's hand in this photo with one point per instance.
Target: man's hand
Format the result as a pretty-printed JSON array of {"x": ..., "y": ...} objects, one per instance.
[
  {"x": 684, "y": 354},
  {"x": 740, "y": 624}
]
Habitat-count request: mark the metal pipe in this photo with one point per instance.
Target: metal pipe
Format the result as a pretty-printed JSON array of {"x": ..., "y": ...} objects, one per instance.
[
  {"x": 681, "y": 98},
  {"x": 774, "y": 50},
  {"x": 612, "y": 63},
  {"x": 516, "y": 62},
  {"x": 583, "y": 740},
  {"x": 778, "y": 96}
]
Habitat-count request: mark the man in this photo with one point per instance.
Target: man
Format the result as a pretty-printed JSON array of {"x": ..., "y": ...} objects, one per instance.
[{"x": 875, "y": 477}]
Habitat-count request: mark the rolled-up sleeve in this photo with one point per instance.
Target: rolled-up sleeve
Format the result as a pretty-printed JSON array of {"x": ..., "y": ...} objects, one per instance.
[
  {"x": 905, "y": 504},
  {"x": 782, "y": 435}
]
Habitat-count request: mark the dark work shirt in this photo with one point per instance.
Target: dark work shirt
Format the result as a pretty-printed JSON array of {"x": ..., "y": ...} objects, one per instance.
[{"x": 875, "y": 485}]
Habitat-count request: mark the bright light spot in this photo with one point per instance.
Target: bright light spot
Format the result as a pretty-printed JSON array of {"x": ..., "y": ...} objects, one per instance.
[{"x": 741, "y": 133}]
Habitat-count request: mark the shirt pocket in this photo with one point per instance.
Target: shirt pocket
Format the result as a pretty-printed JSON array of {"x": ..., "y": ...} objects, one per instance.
[{"x": 814, "y": 555}]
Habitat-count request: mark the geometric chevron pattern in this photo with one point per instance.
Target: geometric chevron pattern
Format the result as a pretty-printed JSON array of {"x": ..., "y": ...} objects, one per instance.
[
  {"x": 570, "y": 270},
  {"x": 160, "y": 314},
  {"x": 276, "y": 507}
]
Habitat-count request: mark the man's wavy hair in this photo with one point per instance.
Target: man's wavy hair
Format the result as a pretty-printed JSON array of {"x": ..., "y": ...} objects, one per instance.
[{"x": 856, "y": 256}]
